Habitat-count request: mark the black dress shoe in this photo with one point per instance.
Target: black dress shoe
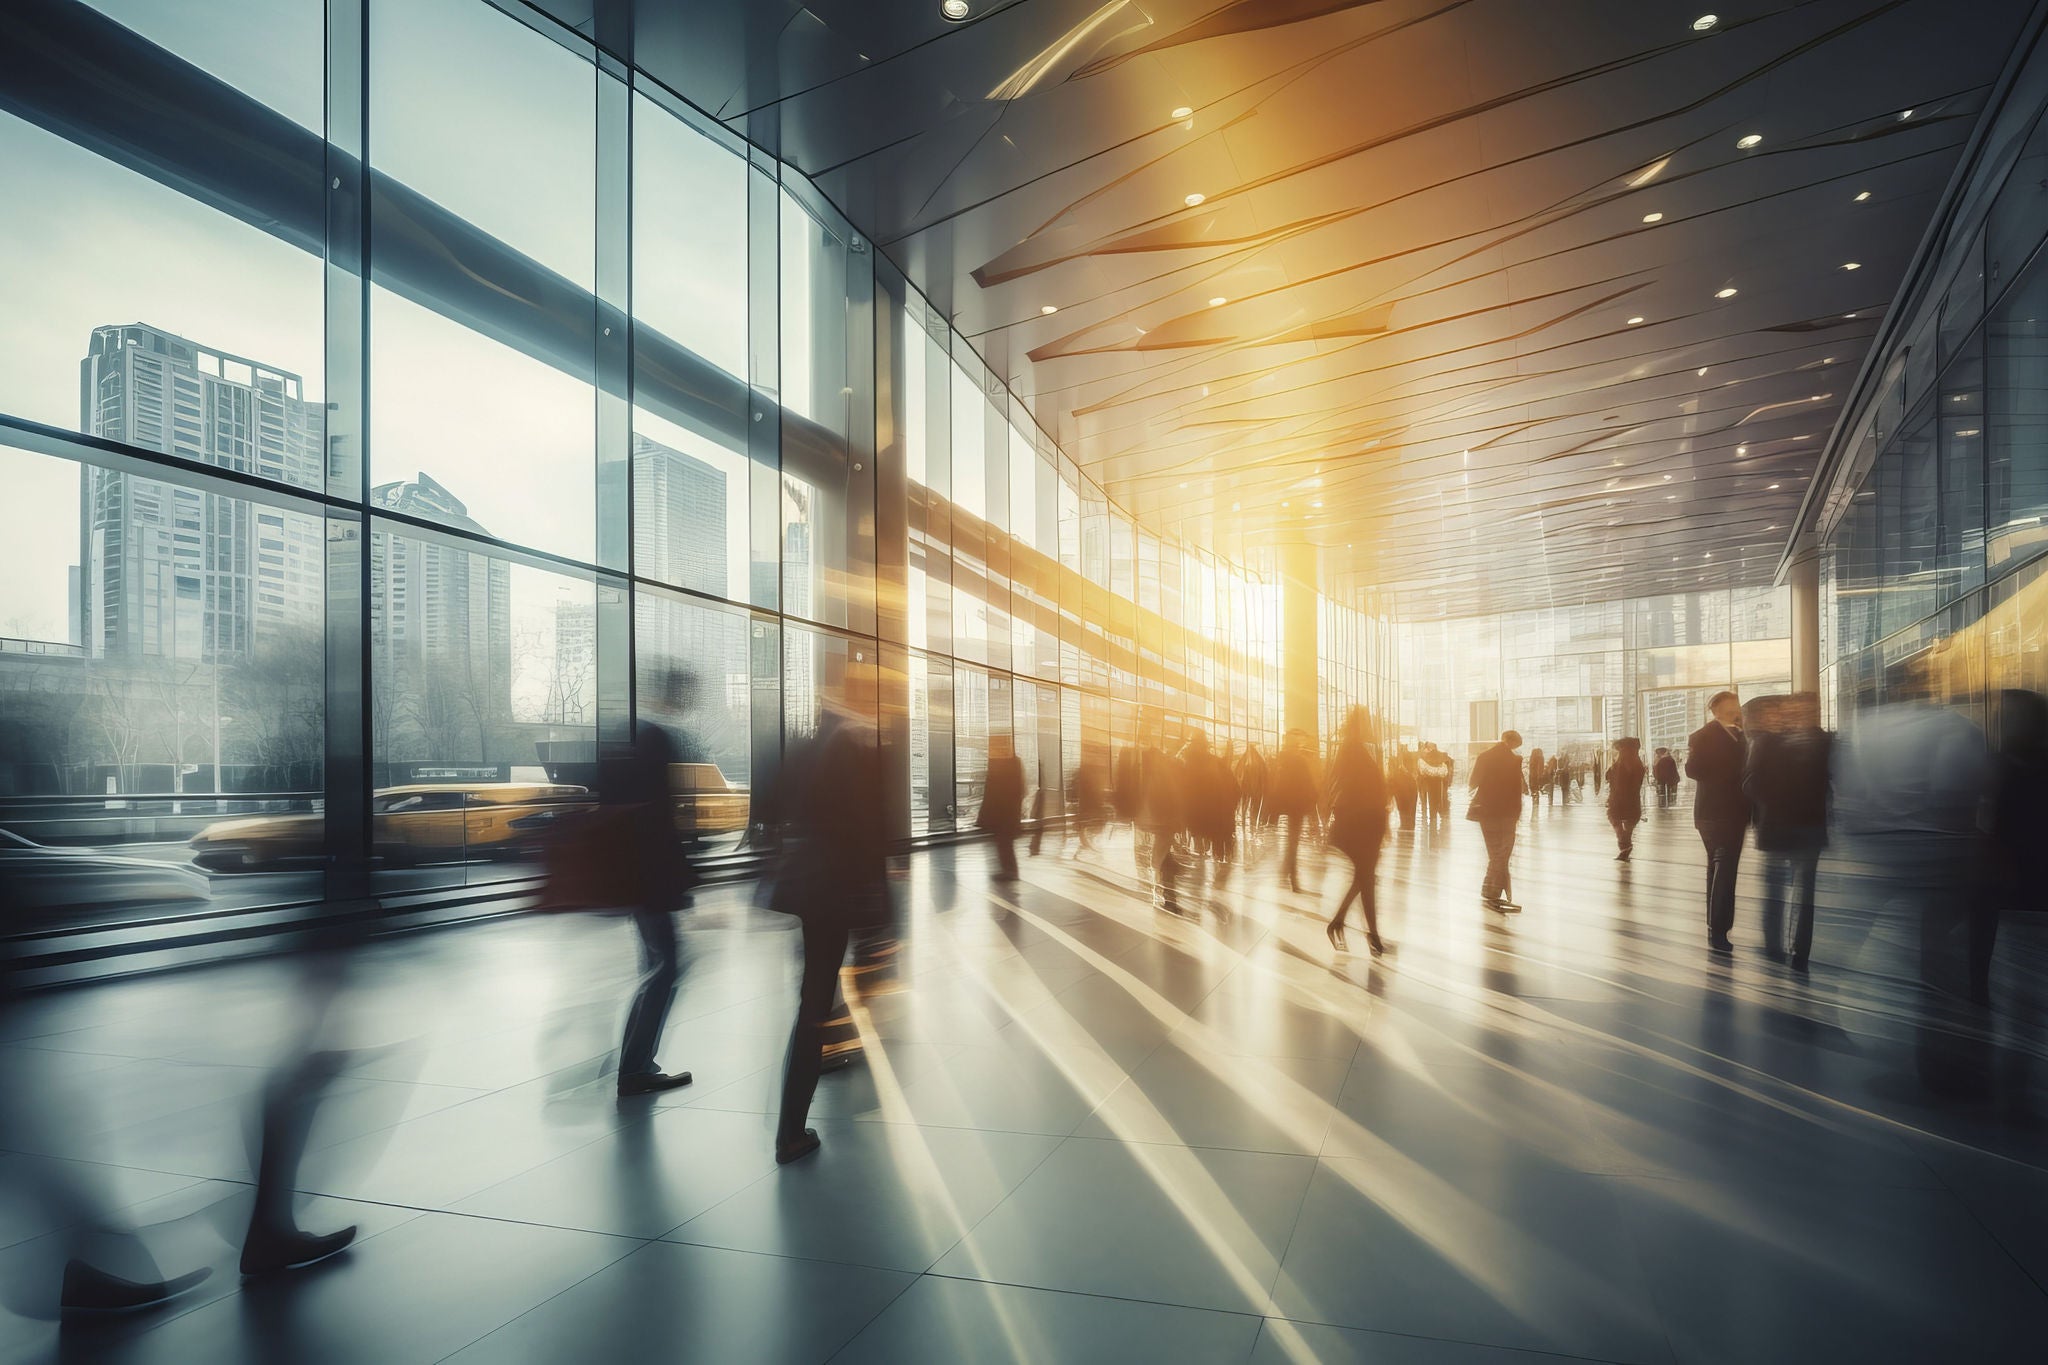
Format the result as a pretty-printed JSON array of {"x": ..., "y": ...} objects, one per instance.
[
  {"x": 796, "y": 1149},
  {"x": 1719, "y": 943},
  {"x": 653, "y": 1082},
  {"x": 1799, "y": 962},
  {"x": 269, "y": 1253},
  {"x": 90, "y": 1290}
]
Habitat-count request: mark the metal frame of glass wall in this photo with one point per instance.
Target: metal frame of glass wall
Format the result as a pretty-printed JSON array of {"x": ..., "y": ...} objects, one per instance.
[{"x": 429, "y": 411}]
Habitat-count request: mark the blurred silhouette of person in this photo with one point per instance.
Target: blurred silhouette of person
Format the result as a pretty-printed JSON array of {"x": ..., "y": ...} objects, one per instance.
[
  {"x": 1041, "y": 810},
  {"x": 1913, "y": 784},
  {"x": 1496, "y": 784},
  {"x": 1292, "y": 798},
  {"x": 2019, "y": 827},
  {"x": 1125, "y": 795},
  {"x": 1251, "y": 787},
  {"x": 1665, "y": 772},
  {"x": 1787, "y": 778},
  {"x": 1596, "y": 775},
  {"x": 1538, "y": 779},
  {"x": 1358, "y": 826},
  {"x": 1625, "y": 794},
  {"x": 1436, "y": 782},
  {"x": 642, "y": 785},
  {"x": 1212, "y": 804},
  {"x": 1406, "y": 787},
  {"x": 74, "y": 1280},
  {"x": 1091, "y": 799},
  {"x": 1162, "y": 814},
  {"x": 1002, "y": 805},
  {"x": 1714, "y": 756},
  {"x": 833, "y": 876}
]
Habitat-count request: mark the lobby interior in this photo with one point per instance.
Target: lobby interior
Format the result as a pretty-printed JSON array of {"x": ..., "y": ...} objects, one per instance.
[{"x": 1016, "y": 390}]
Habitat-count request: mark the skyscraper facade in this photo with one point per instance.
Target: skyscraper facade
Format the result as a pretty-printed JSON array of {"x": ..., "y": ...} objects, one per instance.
[{"x": 173, "y": 572}]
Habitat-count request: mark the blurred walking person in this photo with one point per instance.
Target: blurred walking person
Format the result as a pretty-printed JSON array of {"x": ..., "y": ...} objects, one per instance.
[
  {"x": 1358, "y": 826},
  {"x": 1002, "y": 805},
  {"x": 1714, "y": 758},
  {"x": 1293, "y": 798},
  {"x": 1212, "y": 805},
  {"x": 1091, "y": 800},
  {"x": 641, "y": 789},
  {"x": 1435, "y": 769},
  {"x": 1665, "y": 773},
  {"x": 833, "y": 876},
  {"x": 1405, "y": 787},
  {"x": 1539, "y": 777},
  {"x": 1625, "y": 794},
  {"x": 1162, "y": 815},
  {"x": 2019, "y": 828},
  {"x": 1787, "y": 780},
  {"x": 1251, "y": 788},
  {"x": 1496, "y": 784}
]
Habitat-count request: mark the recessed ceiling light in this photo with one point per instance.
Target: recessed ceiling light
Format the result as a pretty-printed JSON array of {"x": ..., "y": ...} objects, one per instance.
[
  {"x": 1773, "y": 487},
  {"x": 1193, "y": 199},
  {"x": 1049, "y": 309},
  {"x": 1852, "y": 265},
  {"x": 1183, "y": 483},
  {"x": 1653, "y": 217},
  {"x": 1727, "y": 293},
  {"x": 1233, "y": 507},
  {"x": 1667, "y": 478},
  {"x": 1705, "y": 22},
  {"x": 1703, "y": 371},
  {"x": 1218, "y": 301},
  {"x": 1708, "y": 555},
  {"x": 1671, "y": 497},
  {"x": 1749, "y": 140},
  {"x": 1284, "y": 504},
  {"x": 1969, "y": 431},
  {"x": 1827, "y": 360},
  {"x": 1317, "y": 503},
  {"x": 1742, "y": 450},
  {"x": 1905, "y": 114},
  {"x": 1863, "y": 196},
  {"x": 953, "y": 10},
  {"x": 1184, "y": 111},
  {"x": 1633, "y": 322}
]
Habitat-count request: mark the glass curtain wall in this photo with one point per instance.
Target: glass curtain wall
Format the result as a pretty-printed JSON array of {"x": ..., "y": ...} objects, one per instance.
[
  {"x": 1574, "y": 679},
  {"x": 375, "y": 460}
]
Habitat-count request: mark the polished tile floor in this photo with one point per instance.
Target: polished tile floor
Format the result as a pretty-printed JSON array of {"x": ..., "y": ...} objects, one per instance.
[{"x": 1088, "y": 1131}]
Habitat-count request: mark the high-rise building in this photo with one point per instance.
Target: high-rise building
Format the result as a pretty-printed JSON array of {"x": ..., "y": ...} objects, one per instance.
[
  {"x": 572, "y": 684},
  {"x": 436, "y": 607},
  {"x": 679, "y": 516},
  {"x": 169, "y": 571}
]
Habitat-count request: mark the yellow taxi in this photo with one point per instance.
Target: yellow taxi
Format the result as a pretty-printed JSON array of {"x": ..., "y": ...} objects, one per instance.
[{"x": 421, "y": 822}]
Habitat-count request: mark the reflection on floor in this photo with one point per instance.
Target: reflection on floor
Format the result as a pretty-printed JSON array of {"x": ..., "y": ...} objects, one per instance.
[{"x": 1088, "y": 1131}]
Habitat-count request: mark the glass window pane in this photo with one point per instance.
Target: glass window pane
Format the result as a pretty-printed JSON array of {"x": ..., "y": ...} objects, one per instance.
[
  {"x": 2016, "y": 364},
  {"x": 709, "y": 650},
  {"x": 689, "y": 238}
]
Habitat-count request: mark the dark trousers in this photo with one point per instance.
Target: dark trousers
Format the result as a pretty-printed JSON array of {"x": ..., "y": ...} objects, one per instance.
[
  {"x": 1006, "y": 854},
  {"x": 1793, "y": 868},
  {"x": 1290, "y": 857},
  {"x": 1724, "y": 857},
  {"x": 659, "y": 973},
  {"x": 1499, "y": 834},
  {"x": 824, "y": 951},
  {"x": 1624, "y": 831},
  {"x": 1406, "y": 805},
  {"x": 1365, "y": 886}
]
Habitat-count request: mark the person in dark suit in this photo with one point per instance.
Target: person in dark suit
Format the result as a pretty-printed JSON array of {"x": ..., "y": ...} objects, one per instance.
[
  {"x": 834, "y": 878},
  {"x": 1496, "y": 783},
  {"x": 1358, "y": 826},
  {"x": 1625, "y": 794},
  {"x": 642, "y": 785},
  {"x": 1292, "y": 797},
  {"x": 1665, "y": 773},
  {"x": 1002, "y": 805},
  {"x": 1714, "y": 756},
  {"x": 1786, "y": 779}
]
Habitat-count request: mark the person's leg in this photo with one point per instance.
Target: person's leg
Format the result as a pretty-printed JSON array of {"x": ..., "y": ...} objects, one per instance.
[
  {"x": 824, "y": 950},
  {"x": 1006, "y": 855},
  {"x": 1344, "y": 904},
  {"x": 1778, "y": 870},
  {"x": 1289, "y": 869},
  {"x": 658, "y": 977},
  {"x": 1367, "y": 881},
  {"x": 1805, "y": 870}
]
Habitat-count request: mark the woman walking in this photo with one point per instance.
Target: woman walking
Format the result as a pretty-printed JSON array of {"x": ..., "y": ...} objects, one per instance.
[
  {"x": 1358, "y": 826},
  {"x": 1625, "y": 794}
]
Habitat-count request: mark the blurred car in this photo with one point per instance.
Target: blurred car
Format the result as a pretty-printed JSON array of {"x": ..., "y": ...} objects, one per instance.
[
  {"x": 420, "y": 822},
  {"x": 39, "y": 877},
  {"x": 705, "y": 802}
]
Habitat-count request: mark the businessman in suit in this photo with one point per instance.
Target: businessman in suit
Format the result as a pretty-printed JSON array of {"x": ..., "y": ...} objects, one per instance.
[{"x": 1714, "y": 760}]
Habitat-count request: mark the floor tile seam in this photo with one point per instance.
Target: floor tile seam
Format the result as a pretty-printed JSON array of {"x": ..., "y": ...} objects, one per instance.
[
  {"x": 908, "y": 1284},
  {"x": 912, "y": 1122},
  {"x": 1659, "y": 1306},
  {"x": 546, "y": 1161},
  {"x": 1535, "y": 1352},
  {"x": 1970, "y": 1211},
  {"x": 1093, "y": 1294},
  {"x": 545, "y": 1300}
]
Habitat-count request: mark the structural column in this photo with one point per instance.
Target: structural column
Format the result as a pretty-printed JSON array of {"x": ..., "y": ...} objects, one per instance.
[
  {"x": 1298, "y": 639},
  {"x": 1804, "y": 579}
]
